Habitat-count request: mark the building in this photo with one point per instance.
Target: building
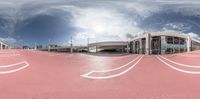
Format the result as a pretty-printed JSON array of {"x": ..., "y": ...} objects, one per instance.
[
  {"x": 26, "y": 47},
  {"x": 163, "y": 43},
  {"x": 3, "y": 45},
  {"x": 112, "y": 46}
]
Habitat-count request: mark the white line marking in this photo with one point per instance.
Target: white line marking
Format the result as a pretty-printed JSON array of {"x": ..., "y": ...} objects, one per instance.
[
  {"x": 189, "y": 55},
  {"x": 56, "y": 54},
  {"x": 111, "y": 76},
  {"x": 9, "y": 55},
  {"x": 15, "y": 70},
  {"x": 11, "y": 65},
  {"x": 185, "y": 65},
  {"x": 181, "y": 70},
  {"x": 110, "y": 70}
]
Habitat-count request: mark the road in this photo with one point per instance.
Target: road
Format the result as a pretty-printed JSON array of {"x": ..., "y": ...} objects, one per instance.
[{"x": 29, "y": 74}]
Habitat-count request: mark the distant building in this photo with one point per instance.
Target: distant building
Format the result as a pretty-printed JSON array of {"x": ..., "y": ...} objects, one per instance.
[
  {"x": 39, "y": 46},
  {"x": 26, "y": 47},
  {"x": 3, "y": 45},
  {"x": 53, "y": 45}
]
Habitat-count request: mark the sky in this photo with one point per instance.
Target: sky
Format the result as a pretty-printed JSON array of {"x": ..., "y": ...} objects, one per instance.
[{"x": 26, "y": 22}]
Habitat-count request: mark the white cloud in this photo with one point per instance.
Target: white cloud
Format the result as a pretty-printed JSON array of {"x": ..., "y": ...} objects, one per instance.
[
  {"x": 103, "y": 24},
  {"x": 193, "y": 35},
  {"x": 179, "y": 27},
  {"x": 102, "y": 20},
  {"x": 178, "y": 1},
  {"x": 142, "y": 9}
]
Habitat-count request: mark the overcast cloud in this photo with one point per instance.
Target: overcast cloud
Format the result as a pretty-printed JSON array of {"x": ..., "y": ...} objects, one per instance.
[{"x": 55, "y": 21}]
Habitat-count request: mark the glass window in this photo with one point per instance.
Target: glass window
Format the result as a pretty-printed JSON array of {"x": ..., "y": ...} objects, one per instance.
[
  {"x": 182, "y": 41},
  {"x": 169, "y": 51},
  {"x": 169, "y": 39},
  {"x": 176, "y": 40}
]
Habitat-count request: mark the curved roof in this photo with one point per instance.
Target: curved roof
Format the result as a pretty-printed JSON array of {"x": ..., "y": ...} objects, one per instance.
[
  {"x": 175, "y": 34},
  {"x": 110, "y": 43},
  {"x": 3, "y": 42}
]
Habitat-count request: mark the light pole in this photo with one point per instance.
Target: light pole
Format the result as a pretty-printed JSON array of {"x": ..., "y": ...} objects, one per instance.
[
  {"x": 71, "y": 46},
  {"x": 88, "y": 41},
  {"x": 35, "y": 46},
  {"x": 49, "y": 47}
]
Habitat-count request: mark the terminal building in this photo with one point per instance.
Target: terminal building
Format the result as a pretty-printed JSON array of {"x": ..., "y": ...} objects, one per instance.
[
  {"x": 146, "y": 43},
  {"x": 163, "y": 43},
  {"x": 109, "y": 46},
  {"x": 3, "y": 45}
]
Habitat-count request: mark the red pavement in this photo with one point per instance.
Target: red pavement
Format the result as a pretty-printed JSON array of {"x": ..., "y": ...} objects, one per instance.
[{"x": 60, "y": 76}]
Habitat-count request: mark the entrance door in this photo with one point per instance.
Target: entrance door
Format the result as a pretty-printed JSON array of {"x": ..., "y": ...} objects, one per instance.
[{"x": 156, "y": 45}]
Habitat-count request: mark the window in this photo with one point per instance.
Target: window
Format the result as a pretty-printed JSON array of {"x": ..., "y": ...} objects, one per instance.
[
  {"x": 169, "y": 39},
  {"x": 169, "y": 51},
  {"x": 182, "y": 41},
  {"x": 176, "y": 40}
]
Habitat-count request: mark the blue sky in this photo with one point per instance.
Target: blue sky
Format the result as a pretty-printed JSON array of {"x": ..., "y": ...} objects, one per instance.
[{"x": 24, "y": 22}]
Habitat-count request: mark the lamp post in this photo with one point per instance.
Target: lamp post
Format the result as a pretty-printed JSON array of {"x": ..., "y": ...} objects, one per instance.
[
  {"x": 49, "y": 47},
  {"x": 35, "y": 46},
  {"x": 88, "y": 41},
  {"x": 71, "y": 46}
]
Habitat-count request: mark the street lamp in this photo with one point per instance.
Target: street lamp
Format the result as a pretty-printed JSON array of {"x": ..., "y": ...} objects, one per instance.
[{"x": 71, "y": 46}]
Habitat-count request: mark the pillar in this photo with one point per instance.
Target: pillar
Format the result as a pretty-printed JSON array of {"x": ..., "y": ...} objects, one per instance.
[
  {"x": 127, "y": 47},
  {"x": 148, "y": 36},
  {"x": 133, "y": 50},
  {"x": 1, "y": 46},
  {"x": 188, "y": 44},
  {"x": 49, "y": 48},
  {"x": 140, "y": 48},
  {"x": 71, "y": 48},
  {"x": 96, "y": 49}
]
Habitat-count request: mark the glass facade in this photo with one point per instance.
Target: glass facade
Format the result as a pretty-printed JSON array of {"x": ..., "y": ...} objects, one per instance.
[
  {"x": 195, "y": 46},
  {"x": 162, "y": 45},
  {"x": 172, "y": 45}
]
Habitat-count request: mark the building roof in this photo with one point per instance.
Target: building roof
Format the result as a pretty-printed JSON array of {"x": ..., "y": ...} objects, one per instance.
[
  {"x": 175, "y": 34},
  {"x": 110, "y": 43},
  {"x": 3, "y": 42}
]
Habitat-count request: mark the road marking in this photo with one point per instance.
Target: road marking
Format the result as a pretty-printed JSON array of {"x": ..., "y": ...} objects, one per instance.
[
  {"x": 189, "y": 55},
  {"x": 11, "y": 65},
  {"x": 111, "y": 76},
  {"x": 14, "y": 70},
  {"x": 9, "y": 55},
  {"x": 181, "y": 70},
  {"x": 56, "y": 54},
  {"x": 110, "y": 70},
  {"x": 185, "y": 65}
]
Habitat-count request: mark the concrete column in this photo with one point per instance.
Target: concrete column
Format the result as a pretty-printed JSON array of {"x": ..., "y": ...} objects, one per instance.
[
  {"x": 35, "y": 46},
  {"x": 1, "y": 46},
  {"x": 71, "y": 49},
  {"x": 148, "y": 36},
  {"x": 163, "y": 44},
  {"x": 96, "y": 49},
  {"x": 140, "y": 46},
  {"x": 127, "y": 48},
  {"x": 133, "y": 50},
  {"x": 188, "y": 44},
  {"x": 49, "y": 48}
]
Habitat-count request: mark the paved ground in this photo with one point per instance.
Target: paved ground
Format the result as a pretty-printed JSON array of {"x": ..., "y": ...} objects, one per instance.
[{"x": 26, "y": 74}]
